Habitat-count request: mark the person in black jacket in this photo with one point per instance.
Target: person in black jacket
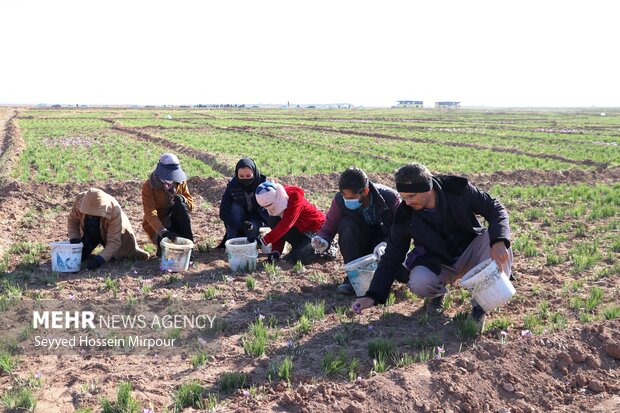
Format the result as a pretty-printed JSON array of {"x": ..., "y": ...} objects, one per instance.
[
  {"x": 239, "y": 210},
  {"x": 361, "y": 214},
  {"x": 439, "y": 214}
]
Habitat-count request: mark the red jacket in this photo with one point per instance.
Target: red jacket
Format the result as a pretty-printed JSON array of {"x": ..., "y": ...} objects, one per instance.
[{"x": 299, "y": 213}]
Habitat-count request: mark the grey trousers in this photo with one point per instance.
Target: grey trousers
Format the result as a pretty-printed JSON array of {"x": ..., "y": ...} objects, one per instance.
[{"x": 425, "y": 283}]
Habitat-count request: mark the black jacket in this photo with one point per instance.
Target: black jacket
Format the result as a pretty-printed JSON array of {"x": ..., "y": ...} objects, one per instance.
[
  {"x": 458, "y": 203},
  {"x": 234, "y": 193},
  {"x": 385, "y": 201}
]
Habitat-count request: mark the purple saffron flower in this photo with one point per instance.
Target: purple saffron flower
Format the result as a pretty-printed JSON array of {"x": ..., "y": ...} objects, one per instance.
[
  {"x": 147, "y": 411},
  {"x": 246, "y": 393},
  {"x": 71, "y": 297},
  {"x": 370, "y": 327},
  {"x": 440, "y": 351},
  {"x": 261, "y": 317},
  {"x": 37, "y": 375}
]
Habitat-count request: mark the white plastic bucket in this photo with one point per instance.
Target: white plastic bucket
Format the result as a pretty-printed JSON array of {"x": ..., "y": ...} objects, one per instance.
[
  {"x": 360, "y": 273},
  {"x": 66, "y": 257},
  {"x": 489, "y": 285},
  {"x": 175, "y": 255},
  {"x": 241, "y": 254}
]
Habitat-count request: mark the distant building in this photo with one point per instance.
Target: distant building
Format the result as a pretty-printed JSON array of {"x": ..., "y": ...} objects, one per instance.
[
  {"x": 410, "y": 104},
  {"x": 447, "y": 105}
]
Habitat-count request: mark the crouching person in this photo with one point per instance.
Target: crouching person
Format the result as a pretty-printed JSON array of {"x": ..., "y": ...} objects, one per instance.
[
  {"x": 292, "y": 219},
  {"x": 241, "y": 214},
  {"x": 97, "y": 219},
  {"x": 439, "y": 214},
  {"x": 361, "y": 214},
  {"x": 166, "y": 202}
]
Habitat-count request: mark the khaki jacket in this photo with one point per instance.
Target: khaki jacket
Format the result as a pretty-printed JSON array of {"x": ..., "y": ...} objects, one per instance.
[
  {"x": 155, "y": 202},
  {"x": 116, "y": 230}
]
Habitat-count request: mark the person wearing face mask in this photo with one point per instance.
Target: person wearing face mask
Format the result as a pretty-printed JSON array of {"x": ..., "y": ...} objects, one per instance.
[
  {"x": 167, "y": 202},
  {"x": 239, "y": 210},
  {"x": 292, "y": 219},
  {"x": 361, "y": 214},
  {"x": 439, "y": 213}
]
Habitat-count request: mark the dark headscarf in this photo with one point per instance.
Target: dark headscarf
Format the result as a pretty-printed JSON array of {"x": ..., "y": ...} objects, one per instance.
[{"x": 248, "y": 185}]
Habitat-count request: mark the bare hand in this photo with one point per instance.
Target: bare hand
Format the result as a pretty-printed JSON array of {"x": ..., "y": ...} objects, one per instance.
[
  {"x": 499, "y": 254},
  {"x": 361, "y": 304}
]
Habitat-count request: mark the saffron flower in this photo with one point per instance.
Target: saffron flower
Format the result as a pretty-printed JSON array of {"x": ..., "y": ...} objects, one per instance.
[{"x": 440, "y": 352}]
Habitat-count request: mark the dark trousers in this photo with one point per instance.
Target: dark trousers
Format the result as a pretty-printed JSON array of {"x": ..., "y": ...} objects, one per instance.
[
  {"x": 356, "y": 238},
  {"x": 301, "y": 250},
  {"x": 91, "y": 237},
  {"x": 235, "y": 227},
  {"x": 180, "y": 223}
]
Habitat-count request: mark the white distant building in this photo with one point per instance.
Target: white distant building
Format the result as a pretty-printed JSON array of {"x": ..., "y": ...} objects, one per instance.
[
  {"x": 447, "y": 105},
  {"x": 410, "y": 104}
]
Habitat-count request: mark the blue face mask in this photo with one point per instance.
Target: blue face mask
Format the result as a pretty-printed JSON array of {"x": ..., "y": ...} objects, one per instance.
[{"x": 352, "y": 204}]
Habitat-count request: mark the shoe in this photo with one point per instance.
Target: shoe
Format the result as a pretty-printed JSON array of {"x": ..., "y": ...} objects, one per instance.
[
  {"x": 478, "y": 314},
  {"x": 346, "y": 288},
  {"x": 434, "y": 305}
]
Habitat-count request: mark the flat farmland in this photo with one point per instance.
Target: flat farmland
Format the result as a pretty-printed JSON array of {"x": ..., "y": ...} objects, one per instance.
[{"x": 288, "y": 341}]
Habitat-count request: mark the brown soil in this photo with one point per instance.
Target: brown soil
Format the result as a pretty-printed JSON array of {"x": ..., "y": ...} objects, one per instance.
[{"x": 576, "y": 369}]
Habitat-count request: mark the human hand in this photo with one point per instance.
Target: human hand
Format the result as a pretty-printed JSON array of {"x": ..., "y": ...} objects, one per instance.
[
  {"x": 95, "y": 262},
  {"x": 500, "y": 254},
  {"x": 361, "y": 304},
  {"x": 380, "y": 249},
  {"x": 319, "y": 244},
  {"x": 166, "y": 233},
  {"x": 274, "y": 257}
]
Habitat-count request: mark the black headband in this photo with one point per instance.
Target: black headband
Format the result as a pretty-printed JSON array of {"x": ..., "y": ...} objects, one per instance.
[{"x": 416, "y": 187}]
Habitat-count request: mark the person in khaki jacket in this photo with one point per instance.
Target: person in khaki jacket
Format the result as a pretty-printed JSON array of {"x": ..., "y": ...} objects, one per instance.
[
  {"x": 167, "y": 202},
  {"x": 96, "y": 218}
]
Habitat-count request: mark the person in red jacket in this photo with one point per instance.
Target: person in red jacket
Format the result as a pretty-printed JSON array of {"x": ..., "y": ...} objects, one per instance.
[{"x": 292, "y": 219}]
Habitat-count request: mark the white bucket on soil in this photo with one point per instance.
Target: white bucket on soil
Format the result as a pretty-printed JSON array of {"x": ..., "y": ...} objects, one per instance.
[
  {"x": 241, "y": 254},
  {"x": 489, "y": 285},
  {"x": 360, "y": 273},
  {"x": 175, "y": 255},
  {"x": 66, "y": 257}
]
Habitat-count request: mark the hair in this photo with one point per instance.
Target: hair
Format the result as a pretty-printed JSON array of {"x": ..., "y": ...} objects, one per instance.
[
  {"x": 353, "y": 179},
  {"x": 413, "y": 173}
]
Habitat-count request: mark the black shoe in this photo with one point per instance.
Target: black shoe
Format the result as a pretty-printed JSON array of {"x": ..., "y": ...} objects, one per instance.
[
  {"x": 478, "y": 314},
  {"x": 434, "y": 305},
  {"x": 346, "y": 288}
]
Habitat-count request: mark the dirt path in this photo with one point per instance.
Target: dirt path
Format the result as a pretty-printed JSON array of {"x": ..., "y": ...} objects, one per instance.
[
  {"x": 11, "y": 146},
  {"x": 208, "y": 158},
  {"x": 586, "y": 162}
]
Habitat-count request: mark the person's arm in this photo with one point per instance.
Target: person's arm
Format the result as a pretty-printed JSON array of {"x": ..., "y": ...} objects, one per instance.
[
  {"x": 332, "y": 219},
  {"x": 395, "y": 252},
  {"x": 496, "y": 215},
  {"x": 113, "y": 236},
  {"x": 226, "y": 206},
  {"x": 73, "y": 221},
  {"x": 183, "y": 190},
  {"x": 150, "y": 209},
  {"x": 289, "y": 217}
]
